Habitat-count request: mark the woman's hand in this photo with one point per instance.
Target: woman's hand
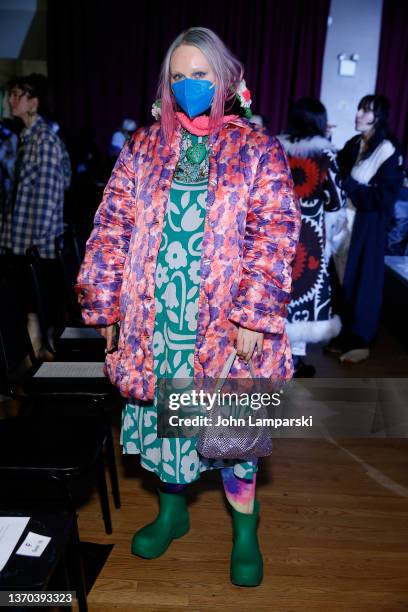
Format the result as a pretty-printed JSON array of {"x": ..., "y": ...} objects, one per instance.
[
  {"x": 109, "y": 334},
  {"x": 247, "y": 340}
]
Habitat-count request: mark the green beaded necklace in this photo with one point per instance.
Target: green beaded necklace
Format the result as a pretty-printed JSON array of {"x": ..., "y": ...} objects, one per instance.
[{"x": 196, "y": 153}]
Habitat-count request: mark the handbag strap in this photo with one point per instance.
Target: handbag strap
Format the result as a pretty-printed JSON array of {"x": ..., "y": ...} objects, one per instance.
[{"x": 227, "y": 367}]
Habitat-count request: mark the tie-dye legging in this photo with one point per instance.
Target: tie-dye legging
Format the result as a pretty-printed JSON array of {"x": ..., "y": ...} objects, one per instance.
[{"x": 240, "y": 492}]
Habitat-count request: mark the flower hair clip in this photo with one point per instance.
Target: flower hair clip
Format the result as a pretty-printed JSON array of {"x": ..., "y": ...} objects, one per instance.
[
  {"x": 156, "y": 109},
  {"x": 243, "y": 96}
]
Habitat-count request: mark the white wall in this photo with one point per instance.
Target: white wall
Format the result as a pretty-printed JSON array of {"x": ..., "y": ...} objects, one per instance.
[
  {"x": 15, "y": 21},
  {"x": 23, "y": 29},
  {"x": 354, "y": 27}
]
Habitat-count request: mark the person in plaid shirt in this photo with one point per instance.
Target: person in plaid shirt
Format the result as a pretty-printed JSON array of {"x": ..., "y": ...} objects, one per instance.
[
  {"x": 42, "y": 173},
  {"x": 33, "y": 215}
]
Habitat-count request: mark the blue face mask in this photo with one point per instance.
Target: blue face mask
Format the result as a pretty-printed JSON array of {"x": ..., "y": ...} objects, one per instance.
[{"x": 193, "y": 95}]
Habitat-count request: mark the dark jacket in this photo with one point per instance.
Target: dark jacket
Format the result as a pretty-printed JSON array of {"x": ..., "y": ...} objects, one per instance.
[
  {"x": 364, "y": 273},
  {"x": 312, "y": 162}
]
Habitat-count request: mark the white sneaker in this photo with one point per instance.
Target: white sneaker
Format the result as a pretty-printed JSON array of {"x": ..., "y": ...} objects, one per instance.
[{"x": 355, "y": 355}]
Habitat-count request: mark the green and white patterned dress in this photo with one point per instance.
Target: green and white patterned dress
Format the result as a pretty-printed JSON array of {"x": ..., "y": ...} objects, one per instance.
[{"x": 176, "y": 300}]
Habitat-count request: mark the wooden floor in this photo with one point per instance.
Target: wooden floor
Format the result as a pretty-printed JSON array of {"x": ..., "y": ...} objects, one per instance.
[
  {"x": 332, "y": 537},
  {"x": 333, "y": 529}
]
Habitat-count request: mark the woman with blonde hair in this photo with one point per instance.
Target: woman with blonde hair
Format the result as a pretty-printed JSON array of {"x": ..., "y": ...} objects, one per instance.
[{"x": 191, "y": 254}]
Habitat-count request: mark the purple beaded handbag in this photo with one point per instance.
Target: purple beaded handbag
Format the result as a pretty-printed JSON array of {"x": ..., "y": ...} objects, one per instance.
[{"x": 234, "y": 441}]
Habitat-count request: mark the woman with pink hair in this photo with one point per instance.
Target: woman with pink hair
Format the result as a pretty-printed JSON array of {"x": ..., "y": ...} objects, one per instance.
[{"x": 190, "y": 258}]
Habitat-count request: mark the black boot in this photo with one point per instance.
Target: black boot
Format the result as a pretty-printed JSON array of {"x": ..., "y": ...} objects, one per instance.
[{"x": 302, "y": 369}]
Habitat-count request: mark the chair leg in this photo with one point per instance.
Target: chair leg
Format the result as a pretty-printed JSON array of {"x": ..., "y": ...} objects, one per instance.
[
  {"x": 76, "y": 568},
  {"x": 65, "y": 483},
  {"x": 110, "y": 454},
  {"x": 103, "y": 494}
]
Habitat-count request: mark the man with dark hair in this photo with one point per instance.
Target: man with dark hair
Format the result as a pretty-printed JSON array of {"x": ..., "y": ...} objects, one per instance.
[{"x": 34, "y": 210}]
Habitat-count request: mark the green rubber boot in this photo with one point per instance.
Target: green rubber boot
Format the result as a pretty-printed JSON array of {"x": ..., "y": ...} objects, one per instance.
[
  {"x": 172, "y": 522},
  {"x": 246, "y": 558}
]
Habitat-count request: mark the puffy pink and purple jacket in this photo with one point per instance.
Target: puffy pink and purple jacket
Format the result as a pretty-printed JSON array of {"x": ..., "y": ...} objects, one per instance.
[{"x": 250, "y": 236}]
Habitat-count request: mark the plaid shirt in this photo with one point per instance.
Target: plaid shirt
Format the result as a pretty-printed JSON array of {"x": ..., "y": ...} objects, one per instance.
[{"x": 35, "y": 209}]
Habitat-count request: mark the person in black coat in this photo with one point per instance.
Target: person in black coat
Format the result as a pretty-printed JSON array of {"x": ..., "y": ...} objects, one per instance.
[
  {"x": 312, "y": 160},
  {"x": 372, "y": 174}
]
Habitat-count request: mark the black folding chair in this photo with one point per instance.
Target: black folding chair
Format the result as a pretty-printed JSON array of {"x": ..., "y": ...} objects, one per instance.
[
  {"x": 70, "y": 255},
  {"x": 66, "y": 391},
  {"x": 63, "y": 552},
  {"x": 67, "y": 343},
  {"x": 47, "y": 445}
]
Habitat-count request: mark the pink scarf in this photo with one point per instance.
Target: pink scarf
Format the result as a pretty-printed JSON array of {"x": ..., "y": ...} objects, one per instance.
[{"x": 199, "y": 126}]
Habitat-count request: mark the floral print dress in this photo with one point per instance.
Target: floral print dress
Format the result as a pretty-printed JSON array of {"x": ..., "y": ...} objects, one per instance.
[{"x": 177, "y": 284}]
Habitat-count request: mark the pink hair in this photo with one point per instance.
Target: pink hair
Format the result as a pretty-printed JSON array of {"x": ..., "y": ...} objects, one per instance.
[{"x": 227, "y": 69}]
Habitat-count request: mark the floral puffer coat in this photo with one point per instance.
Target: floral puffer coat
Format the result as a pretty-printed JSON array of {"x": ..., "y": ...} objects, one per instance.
[{"x": 250, "y": 237}]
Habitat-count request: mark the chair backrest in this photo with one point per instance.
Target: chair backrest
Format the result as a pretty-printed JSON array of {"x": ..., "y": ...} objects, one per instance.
[
  {"x": 70, "y": 257},
  {"x": 47, "y": 287},
  {"x": 16, "y": 351},
  {"x": 68, "y": 245}
]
